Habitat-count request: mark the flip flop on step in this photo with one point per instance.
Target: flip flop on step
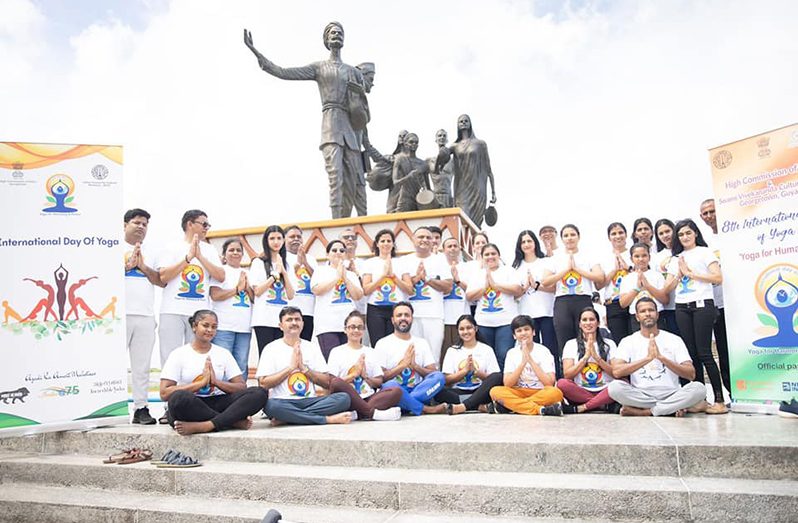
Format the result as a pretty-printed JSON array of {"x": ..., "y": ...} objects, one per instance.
[
  {"x": 136, "y": 456},
  {"x": 116, "y": 458},
  {"x": 170, "y": 455},
  {"x": 180, "y": 462}
]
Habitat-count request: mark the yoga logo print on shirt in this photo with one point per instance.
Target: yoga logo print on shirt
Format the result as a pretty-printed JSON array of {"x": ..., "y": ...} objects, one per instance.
[
  {"x": 420, "y": 292},
  {"x": 298, "y": 384},
  {"x": 686, "y": 285},
  {"x": 135, "y": 272},
  {"x": 341, "y": 293},
  {"x": 470, "y": 380},
  {"x": 191, "y": 285},
  {"x": 615, "y": 287},
  {"x": 455, "y": 294},
  {"x": 275, "y": 294},
  {"x": 652, "y": 371},
  {"x": 386, "y": 292},
  {"x": 572, "y": 281},
  {"x": 243, "y": 300},
  {"x": 408, "y": 378},
  {"x": 303, "y": 276},
  {"x": 592, "y": 376},
  {"x": 492, "y": 300},
  {"x": 207, "y": 390}
]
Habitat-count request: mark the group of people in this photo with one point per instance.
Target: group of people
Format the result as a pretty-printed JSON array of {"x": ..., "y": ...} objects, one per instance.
[{"x": 448, "y": 335}]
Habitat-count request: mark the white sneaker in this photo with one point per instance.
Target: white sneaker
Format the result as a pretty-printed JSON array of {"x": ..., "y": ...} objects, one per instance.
[
  {"x": 392, "y": 414},
  {"x": 354, "y": 414}
]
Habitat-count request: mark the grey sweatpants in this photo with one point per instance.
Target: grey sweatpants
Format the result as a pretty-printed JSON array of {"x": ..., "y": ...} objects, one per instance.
[
  {"x": 661, "y": 404},
  {"x": 173, "y": 332},
  {"x": 140, "y": 341},
  {"x": 307, "y": 411}
]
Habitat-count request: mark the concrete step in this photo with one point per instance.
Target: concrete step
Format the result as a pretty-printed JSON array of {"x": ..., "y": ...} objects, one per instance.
[
  {"x": 45, "y": 504},
  {"x": 729, "y": 446},
  {"x": 495, "y": 494}
]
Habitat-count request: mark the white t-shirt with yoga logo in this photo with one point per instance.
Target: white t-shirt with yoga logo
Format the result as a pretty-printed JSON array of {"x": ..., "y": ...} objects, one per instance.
[
  {"x": 342, "y": 361},
  {"x": 189, "y": 291},
  {"x": 688, "y": 290},
  {"x": 234, "y": 313},
  {"x": 390, "y": 350},
  {"x": 494, "y": 307},
  {"x": 185, "y": 365},
  {"x": 277, "y": 355},
  {"x": 573, "y": 283},
  {"x": 592, "y": 377},
  {"x": 457, "y": 358}
]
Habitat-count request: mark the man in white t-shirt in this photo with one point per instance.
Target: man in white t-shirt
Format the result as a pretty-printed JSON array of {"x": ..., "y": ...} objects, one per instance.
[
  {"x": 529, "y": 375},
  {"x": 654, "y": 360},
  {"x": 719, "y": 328},
  {"x": 290, "y": 368},
  {"x": 139, "y": 317},
  {"x": 407, "y": 362},
  {"x": 430, "y": 278},
  {"x": 303, "y": 267},
  {"x": 454, "y": 302},
  {"x": 548, "y": 235}
]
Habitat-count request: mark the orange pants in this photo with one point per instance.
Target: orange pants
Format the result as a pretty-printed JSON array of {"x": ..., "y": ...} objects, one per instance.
[{"x": 525, "y": 401}]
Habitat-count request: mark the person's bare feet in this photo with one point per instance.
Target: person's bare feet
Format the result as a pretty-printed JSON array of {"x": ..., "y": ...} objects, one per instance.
[
  {"x": 437, "y": 409},
  {"x": 634, "y": 411},
  {"x": 699, "y": 407},
  {"x": 483, "y": 409},
  {"x": 680, "y": 413},
  {"x": 717, "y": 408},
  {"x": 458, "y": 408},
  {"x": 276, "y": 422},
  {"x": 581, "y": 408},
  {"x": 185, "y": 428},
  {"x": 244, "y": 424},
  {"x": 340, "y": 419}
]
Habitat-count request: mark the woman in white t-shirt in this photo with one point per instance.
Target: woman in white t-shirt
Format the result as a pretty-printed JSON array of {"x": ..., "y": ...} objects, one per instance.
[
  {"x": 203, "y": 385},
  {"x": 479, "y": 240},
  {"x": 273, "y": 285},
  {"x": 357, "y": 373},
  {"x": 538, "y": 299},
  {"x": 615, "y": 267},
  {"x": 663, "y": 231},
  {"x": 643, "y": 231},
  {"x": 643, "y": 280},
  {"x": 231, "y": 300},
  {"x": 337, "y": 291},
  {"x": 495, "y": 288},
  {"x": 470, "y": 368},
  {"x": 586, "y": 367},
  {"x": 692, "y": 272},
  {"x": 575, "y": 275},
  {"x": 382, "y": 286}
]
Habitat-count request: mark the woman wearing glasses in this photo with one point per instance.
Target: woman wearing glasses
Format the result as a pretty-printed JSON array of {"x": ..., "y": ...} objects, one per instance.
[
  {"x": 337, "y": 291},
  {"x": 360, "y": 376}
]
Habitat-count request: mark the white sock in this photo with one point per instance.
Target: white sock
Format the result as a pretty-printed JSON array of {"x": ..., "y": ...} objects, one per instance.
[{"x": 392, "y": 414}]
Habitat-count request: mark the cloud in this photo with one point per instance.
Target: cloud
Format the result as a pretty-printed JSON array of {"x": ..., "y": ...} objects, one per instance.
[{"x": 593, "y": 111}]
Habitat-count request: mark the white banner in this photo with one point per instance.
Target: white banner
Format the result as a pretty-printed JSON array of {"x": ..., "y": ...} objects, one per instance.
[{"x": 61, "y": 288}]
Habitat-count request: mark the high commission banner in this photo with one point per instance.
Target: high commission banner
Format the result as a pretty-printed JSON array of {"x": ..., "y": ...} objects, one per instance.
[
  {"x": 62, "y": 339},
  {"x": 756, "y": 191}
]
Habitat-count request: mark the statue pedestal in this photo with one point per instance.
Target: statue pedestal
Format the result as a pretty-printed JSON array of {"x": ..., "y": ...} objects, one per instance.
[{"x": 453, "y": 223}]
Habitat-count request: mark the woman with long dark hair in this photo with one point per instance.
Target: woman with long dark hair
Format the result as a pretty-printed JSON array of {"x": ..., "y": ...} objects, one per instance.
[
  {"x": 203, "y": 385},
  {"x": 272, "y": 284},
  {"x": 495, "y": 288},
  {"x": 586, "y": 366},
  {"x": 337, "y": 291},
  {"x": 232, "y": 302},
  {"x": 615, "y": 267},
  {"x": 382, "y": 286},
  {"x": 470, "y": 368},
  {"x": 641, "y": 281},
  {"x": 692, "y": 272},
  {"x": 663, "y": 232},
  {"x": 538, "y": 299},
  {"x": 643, "y": 231},
  {"x": 575, "y": 275}
]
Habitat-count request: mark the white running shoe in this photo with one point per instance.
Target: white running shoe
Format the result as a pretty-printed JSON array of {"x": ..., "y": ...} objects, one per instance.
[{"x": 392, "y": 414}]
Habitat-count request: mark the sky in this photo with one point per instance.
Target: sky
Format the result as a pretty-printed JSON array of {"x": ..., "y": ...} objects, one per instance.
[{"x": 593, "y": 111}]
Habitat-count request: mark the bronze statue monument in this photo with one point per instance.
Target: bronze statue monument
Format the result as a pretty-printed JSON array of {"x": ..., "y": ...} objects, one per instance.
[{"x": 344, "y": 117}]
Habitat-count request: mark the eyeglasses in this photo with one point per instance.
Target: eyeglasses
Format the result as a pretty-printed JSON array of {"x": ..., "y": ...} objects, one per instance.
[
  {"x": 204, "y": 225},
  {"x": 348, "y": 237},
  {"x": 355, "y": 327}
]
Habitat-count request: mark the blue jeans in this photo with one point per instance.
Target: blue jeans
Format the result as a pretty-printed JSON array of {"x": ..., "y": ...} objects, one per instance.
[
  {"x": 307, "y": 411},
  {"x": 413, "y": 400},
  {"x": 238, "y": 344},
  {"x": 500, "y": 340},
  {"x": 544, "y": 332}
]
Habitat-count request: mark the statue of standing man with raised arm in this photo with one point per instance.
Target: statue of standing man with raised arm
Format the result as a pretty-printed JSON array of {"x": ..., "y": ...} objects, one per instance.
[{"x": 344, "y": 117}]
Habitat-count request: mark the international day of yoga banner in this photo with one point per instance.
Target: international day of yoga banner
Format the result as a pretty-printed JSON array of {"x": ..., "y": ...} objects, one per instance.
[
  {"x": 62, "y": 339},
  {"x": 756, "y": 191}
]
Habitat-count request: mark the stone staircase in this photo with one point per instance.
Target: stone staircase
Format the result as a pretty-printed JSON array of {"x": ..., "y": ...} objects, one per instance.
[{"x": 472, "y": 467}]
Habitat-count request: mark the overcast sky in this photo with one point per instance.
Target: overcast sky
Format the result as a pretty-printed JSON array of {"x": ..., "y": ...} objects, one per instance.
[{"x": 593, "y": 111}]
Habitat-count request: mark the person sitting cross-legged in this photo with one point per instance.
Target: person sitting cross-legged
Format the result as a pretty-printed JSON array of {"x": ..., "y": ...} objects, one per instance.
[
  {"x": 654, "y": 360},
  {"x": 290, "y": 368},
  {"x": 528, "y": 375}
]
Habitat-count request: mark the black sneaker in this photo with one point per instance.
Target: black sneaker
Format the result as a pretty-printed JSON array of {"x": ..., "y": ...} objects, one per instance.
[
  {"x": 142, "y": 417},
  {"x": 788, "y": 410},
  {"x": 569, "y": 409},
  {"x": 552, "y": 410}
]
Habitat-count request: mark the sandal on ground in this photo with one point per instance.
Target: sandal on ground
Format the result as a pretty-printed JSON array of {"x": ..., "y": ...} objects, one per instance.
[
  {"x": 170, "y": 455},
  {"x": 136, "y": 456},
  {"x": 116, "y": 458},
  {"x": 181, "y": 461}
]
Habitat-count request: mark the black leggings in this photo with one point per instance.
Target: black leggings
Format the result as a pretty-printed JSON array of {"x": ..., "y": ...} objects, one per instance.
[
  {"x": 722, "y": 345},
  {"x": 222, "y": 410},
  {"x": 266, "y": 335},
  {"x": 480, "y": 396},
  {"x": 378, "y": 322},
  {"x": 566, "y": 317},
  {"x": 695, "y": 327},
  {"x": 618, "y": 321}
]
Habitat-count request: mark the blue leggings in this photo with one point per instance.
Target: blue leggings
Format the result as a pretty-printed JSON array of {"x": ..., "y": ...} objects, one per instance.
[
  {"x": 500, "y": 340},
  {"x": 413, "y": 400}
]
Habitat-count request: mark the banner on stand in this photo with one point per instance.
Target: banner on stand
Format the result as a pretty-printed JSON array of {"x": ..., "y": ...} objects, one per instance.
[
  {"x": 756, "y": 197},
  {"x": 62, "y": 337}
]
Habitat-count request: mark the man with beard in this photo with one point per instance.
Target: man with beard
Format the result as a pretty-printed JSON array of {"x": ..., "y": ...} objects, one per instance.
[
  {"x": 303, "y": 267},
  {"x": 407, "y": 362},
  {"x": 654, "y": 360},
  {"x": 290, "y": 368}
]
